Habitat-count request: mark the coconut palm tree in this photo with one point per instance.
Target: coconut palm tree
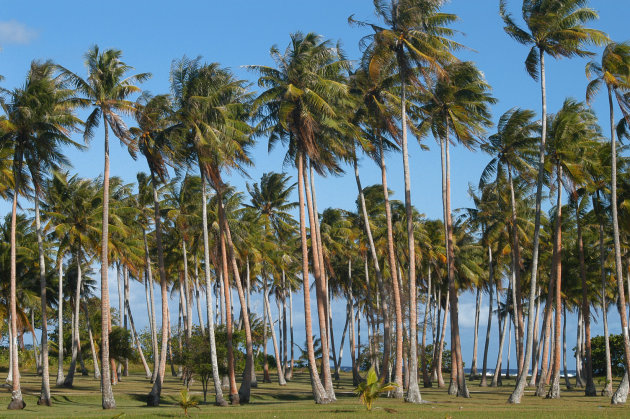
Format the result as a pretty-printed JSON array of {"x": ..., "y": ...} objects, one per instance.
[
  {"x": 513, "y": 150},
  {"x": 106, "y": 89},
  {"x": 38, "y": 122},
  {"x": 556, "y": 28},
  {"x": 614, "y": 72},
  {"x": 456, "y": 104},
  {"x": 299, "y": 107},
  {"x": 415, "y": 35}
]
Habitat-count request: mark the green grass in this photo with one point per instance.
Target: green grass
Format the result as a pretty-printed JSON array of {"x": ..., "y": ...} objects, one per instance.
[{"x": 295, "y": 401}]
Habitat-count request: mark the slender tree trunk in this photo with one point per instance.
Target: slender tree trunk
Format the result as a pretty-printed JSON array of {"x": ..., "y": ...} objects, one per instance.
[
  {"x": 156, "y": 390},
  {"x": 427, "y": 308},
  {"x": 266, "y": 377},
  {"x": 586, "y": 311},
  {"x": 108, "y": 401},
  {"x": 391, "y": 257},
  {"x": 343, "y": 339},
  {"x": 542, "y": 382},
  {"x": 151, "y": 308},
  {"x": 234, "y": 397},
  {"x": 319, "y": 394},
  {"x": 187, "y": 300},
  {"x": 509, "y": 354},
  {"x": 554, "y": 391},
  {"x": 60, "y": 375},
  {"x": 75, "y": 323},
  {"x": 97, "y": 370},
  {"x": 413, "y": 393},
  {"x": 281, "y": 380},
  {"x": 320, "y": 288},
  {"x": 516, "y": 261},
  {"x": 284, "y": 327},
  {"x": 496, "y": 378},
  {"x": 126, "y": 299},
  {"x": 440, "y": 352},
  {"x": 536, "y": 347},
  {"x": 564, "y": 348},
  {"x": 332, "y": 336},
  {"x": 245, "y": 389},
  {"x": 473, "y": 364},
  {"x": 462, "y": 389},
  {"x": 44, "y": 397},
  {"x": 197, "y": 292},
  {"x": 484, "y": 369},
  {"x": 17, "y": 403},
  {"x": 617, "y": 245},
  {"x": 521, "y": 381},
  {"x": 219, "y": 400}
]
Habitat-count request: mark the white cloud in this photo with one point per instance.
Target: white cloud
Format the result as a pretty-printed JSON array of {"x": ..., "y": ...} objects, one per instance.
[{"x": 14, "y": 32}]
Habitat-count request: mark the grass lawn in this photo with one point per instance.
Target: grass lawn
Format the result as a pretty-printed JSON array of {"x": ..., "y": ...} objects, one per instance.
[{"x": 295, "y": 401}]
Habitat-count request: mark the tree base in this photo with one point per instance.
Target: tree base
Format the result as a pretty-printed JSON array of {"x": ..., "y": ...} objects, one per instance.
[
  {"x": 17, "y": 403},
  {"x": 220, "y": 402},
  {"x": 153, "y": 400},
  {"x": 44, "y": 402},
  {"x": 235, "y": 399}
]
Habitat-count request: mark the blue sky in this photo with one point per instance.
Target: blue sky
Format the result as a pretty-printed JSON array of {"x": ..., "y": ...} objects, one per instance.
[{"x": 240, "y": 32}]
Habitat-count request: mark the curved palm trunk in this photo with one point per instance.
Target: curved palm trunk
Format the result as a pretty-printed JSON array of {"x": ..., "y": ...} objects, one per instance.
[
  {"x": 607, "y": 390},
  {"x": 462, "y": 389},
  {"x": 586, "y": 312},
  {"x": 60, "y": 376},
  {"x": 427, "y": 308},
  {"x": 537, "y": 346},
  {"x": 196, "y": 291},
  {"x": 413, "y": 392},
  {"x": 521, "y": 381},
  {"x": 97, "y": 371},
  {"x": 473, "y": 364},
  {"x": 234, "y": 397},
  {"x": 516, "y": 267},
  {"x": 542, "y": 381},
  {"x": 151, "y": 308},
  {"x": 617, "y": 245},
  {"x": 245, "y": 389},
  {"x": 17, "y": 402},
  {"x": 266, "y": 378},
  {"x": 440, "y": 350},
  {"x": 554, "y": 390},
  {"x": 219, "y": 400},
  {"x": 281, "y": 380},
  {"x": 156, "y": 390},
  {"x": 319, "y": 394},
  {"x": 290, "y": 374},
  {"x": 108, "y": 401},
  {"x": 147, "y": 370},
  {"x": 44, "y": 398},
  {"x": 321, "y": 286},
  {"x": 496, "y": 378},
  {"x": 391, "y": 255},
  {"x": 75, "y": 324},
  {"x": 484, "y": 369}
]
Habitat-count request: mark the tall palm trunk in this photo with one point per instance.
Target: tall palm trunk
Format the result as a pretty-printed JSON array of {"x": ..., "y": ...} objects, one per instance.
[
  {"x": 147, "y": 370},
  {"x": 462, "y": 389},
  {"x": 391, "y": 257},
  {"x": 290, "y": 374},
  {"x": 440, "y": 350},
  {"x": 617, "y": 245},
  {"x": 97, "y": 371},
  {"x": 473, "y": 364},
  {"x": 187, "y": 301},
  {"x": 17, "y": 402},
  {"x": 245, "y": 389},
  {"x": 516, "y": 267},
  {"x": 196, "y": 290},
  {"x": 219, "y": 400},
  {"x": 75, "y": 323},
  {"x": 156, "y": 390},
  {"x": 319, "y": 394},
  {"x": 542, "y": 382},
  {"x": 554, "y": 390},
  {"x": 496, "y": 378},
  {"x": 413, "y": 392},
  {"x": 281, "y": 380},
  {"x": 537, "y": 346},
  {"x": 126, "y": 317},
  {"x": 586, "y": 311},
  {"x": 108, "y": 401},
  {"x": 148, "y": 283},
  {"x": 234, "y": 397},
  {"x": 266, "y": 320},
  {"x": 60, "y": 376},
  {"x": 44, "y": 398},
  {"x": 427, "y": 308},
  {"x": 320, "y": 294},
  {"x": 564, "y": 347},
  {"x": 484, "y": 368},
  {"x": 521, "y": 381}
]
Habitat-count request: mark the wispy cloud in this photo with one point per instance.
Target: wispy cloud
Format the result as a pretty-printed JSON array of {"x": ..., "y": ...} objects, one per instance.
[{"x": 14, "y": 32}]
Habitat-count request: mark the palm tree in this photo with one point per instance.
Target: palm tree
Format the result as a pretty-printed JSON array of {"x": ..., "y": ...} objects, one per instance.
[
  {"x": 37, "y": 123},
  {"x": 415, "y": 35},
  {"x": 512, "y": 148},
  {"x": 297, "y": 107},
  {"x": 556, "y": 28},
  {"x": 456, "y": 104},
  {"x": 572, "y": 132},
  {"x": 107, "y": 90},
  {"x": 152, "y": 115},
  {"x": 614, "y": 72}
]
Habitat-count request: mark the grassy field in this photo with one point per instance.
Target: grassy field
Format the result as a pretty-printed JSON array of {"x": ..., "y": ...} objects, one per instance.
[{"x": 295, "y": 401}]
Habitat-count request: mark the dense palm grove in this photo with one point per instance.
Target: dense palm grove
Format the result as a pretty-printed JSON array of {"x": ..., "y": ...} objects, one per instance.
[{"x": 183, "y": 228}]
